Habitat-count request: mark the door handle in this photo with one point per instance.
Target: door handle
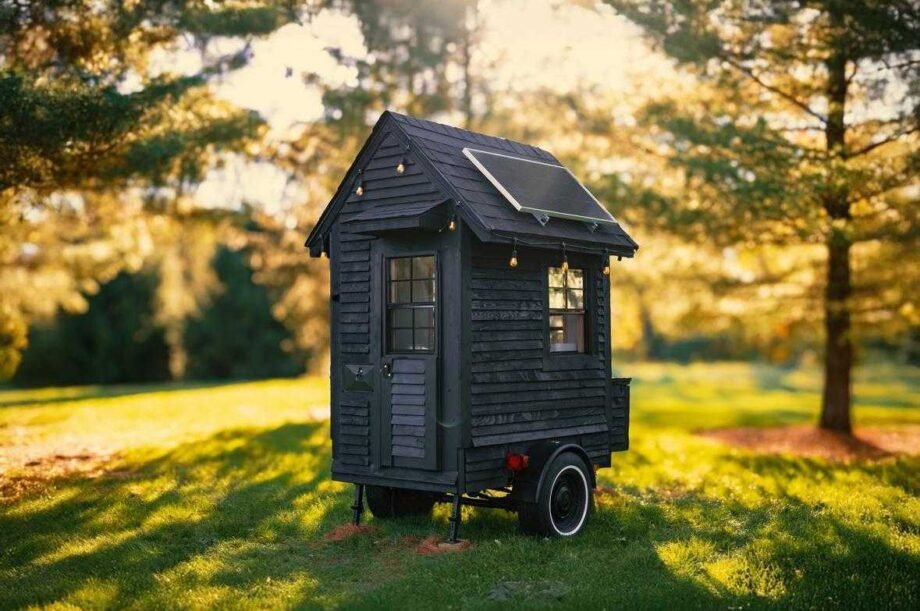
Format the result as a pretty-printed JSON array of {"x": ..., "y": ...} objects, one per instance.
[{"x": 387, "y": 370}]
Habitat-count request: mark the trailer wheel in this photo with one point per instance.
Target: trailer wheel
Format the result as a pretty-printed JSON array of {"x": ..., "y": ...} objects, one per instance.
[
  {"x": 565, "y": 500},
  {"x": 385, "y": 502}
]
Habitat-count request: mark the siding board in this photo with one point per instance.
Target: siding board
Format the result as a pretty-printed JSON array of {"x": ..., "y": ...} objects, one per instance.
[{"x": 520, "y": 393}]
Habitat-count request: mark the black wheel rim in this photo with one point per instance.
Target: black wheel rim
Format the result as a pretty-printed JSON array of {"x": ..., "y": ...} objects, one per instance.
[{"x": 568, "y": 501}]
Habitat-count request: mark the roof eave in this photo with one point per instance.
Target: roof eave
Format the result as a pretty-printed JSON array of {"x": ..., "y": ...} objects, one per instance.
[
  {"x": 594, "y": 247},
  {"x": 314, "y": 241}
]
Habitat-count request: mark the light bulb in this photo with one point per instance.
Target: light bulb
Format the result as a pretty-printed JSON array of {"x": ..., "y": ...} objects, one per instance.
[
  {"x": 452, "y": 225},
  {"x": 360, "y": 190},
  {"x": 565, "y": 265},
  {"x": 513, "y": 261},
  {"x": 607, "y": 270},
  {"x": 400, "y": 168}
]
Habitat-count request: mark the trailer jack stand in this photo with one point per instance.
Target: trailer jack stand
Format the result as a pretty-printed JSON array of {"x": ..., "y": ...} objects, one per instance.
[
  {"x": 358, "y": 506},
  {"x": 455, "y": 517}
]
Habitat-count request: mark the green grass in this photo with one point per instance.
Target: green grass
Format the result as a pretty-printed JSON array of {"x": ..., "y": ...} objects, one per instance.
[{"x": 220, "y": 496}]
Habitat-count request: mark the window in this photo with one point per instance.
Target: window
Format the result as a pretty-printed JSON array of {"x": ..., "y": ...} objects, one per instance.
[
  {"x": 566, "y": 310},
  {"x": 410, "y": 304}
]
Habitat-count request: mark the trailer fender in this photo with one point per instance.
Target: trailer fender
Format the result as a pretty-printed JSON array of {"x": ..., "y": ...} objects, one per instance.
[{"x": 529, "y": 482}]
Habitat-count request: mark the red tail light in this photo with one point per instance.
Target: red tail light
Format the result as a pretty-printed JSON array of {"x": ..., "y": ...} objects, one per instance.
[{"x": 516, "y": 462}]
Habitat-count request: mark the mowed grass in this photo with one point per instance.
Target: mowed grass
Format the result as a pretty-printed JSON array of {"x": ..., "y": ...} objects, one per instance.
[{"x": 220, "y": 496}]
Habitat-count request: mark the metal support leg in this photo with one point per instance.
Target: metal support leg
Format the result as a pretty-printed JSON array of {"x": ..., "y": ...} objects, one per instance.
[
  {"x": 455, "y": 520},
  {"x": 358, "y": 506}
]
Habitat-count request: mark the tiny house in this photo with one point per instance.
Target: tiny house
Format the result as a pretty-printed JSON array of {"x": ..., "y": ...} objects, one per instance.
[{"x": 470, "y": 314}]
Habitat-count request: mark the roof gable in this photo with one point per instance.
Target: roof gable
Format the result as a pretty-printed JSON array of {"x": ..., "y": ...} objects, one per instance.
[
  {"x": 444, "y": 145},
  {"x": 438, "y": 150}
]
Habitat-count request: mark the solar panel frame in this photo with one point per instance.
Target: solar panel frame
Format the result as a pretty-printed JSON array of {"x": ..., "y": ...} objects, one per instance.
[{"x": 470, "y": 154}]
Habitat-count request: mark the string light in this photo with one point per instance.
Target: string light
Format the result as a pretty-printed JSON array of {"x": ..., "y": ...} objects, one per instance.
[
  {"x": 565, "y": 259},
  {"x": 606, "y": 263},
  {"x": 453, "y": 223},
  {"x": 359, "y": 191},
  {"x": 513, "y": 262},
  {"x": 403, "y": 162}
]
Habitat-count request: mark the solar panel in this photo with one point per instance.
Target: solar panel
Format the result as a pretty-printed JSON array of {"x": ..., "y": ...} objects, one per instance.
[{"x": 543, "y": 189}]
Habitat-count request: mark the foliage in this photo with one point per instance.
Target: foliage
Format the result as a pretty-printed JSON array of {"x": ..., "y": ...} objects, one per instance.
[
  {"x": 236, "y": 336},
  {"x": 413, "y": 47},
  {"x": 225, "y": 500},
  {"x": 117, "y": 340},
  {"x": 105, "y": 136},
  {"x": 93, "y": 130},
  {"x": 13, "y": 334},
  {"x": 410, "y": 52},
  {"x": 801, "y": 130}
]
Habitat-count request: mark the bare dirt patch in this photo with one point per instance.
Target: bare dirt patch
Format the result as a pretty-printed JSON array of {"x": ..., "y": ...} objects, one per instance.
[
  {"x": 866, "y": 444},
  {"x": 345, "y": 531},
  {"x": 433, "y": 545},
  {"x": 23, "y": 475}
]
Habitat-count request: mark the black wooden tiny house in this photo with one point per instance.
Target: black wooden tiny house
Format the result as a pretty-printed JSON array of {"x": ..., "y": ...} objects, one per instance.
[{"x": 470, "y": 339}]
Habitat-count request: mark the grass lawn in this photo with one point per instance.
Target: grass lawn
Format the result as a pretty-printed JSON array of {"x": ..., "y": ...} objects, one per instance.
[{"x": 184, "y": 496}]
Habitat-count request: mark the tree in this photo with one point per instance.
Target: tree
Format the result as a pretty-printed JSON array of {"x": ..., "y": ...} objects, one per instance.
[
  {"x": 94, "y": 142},
  {"x": 236, "y": 336},
  {"x": 801, "y": 130},
  {"x": 116, "y": 341},
  {"x": 411, "y": 50}
]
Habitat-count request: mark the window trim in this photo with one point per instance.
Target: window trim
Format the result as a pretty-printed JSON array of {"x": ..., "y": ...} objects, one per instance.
[
  {"x": 588, "y": 313},
  {"x": 411, "y": 305}
]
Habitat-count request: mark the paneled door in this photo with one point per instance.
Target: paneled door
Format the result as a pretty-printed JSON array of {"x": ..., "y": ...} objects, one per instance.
[{"x": 409, "y": 361}]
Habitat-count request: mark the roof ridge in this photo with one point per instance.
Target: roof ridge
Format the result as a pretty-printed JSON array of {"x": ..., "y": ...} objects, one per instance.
[{"x": 470, "y": 135}]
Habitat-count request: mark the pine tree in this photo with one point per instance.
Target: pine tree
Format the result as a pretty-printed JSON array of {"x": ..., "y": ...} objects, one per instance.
[
  {"x": 236, "y": 336},
  {"x": 803, "y": 130},
  {"x": 116, "y": 341},
  {"x": 84, "y": 123}
]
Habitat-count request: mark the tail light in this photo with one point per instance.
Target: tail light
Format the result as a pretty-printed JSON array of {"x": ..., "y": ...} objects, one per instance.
[{"x": 516, "y": 462}]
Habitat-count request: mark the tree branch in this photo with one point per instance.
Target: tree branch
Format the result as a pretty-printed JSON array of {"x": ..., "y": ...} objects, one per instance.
[
  {"x": 786, "y": 96},
  {"x": 884, "y": 187},
  {"x": 883, "y": 142}
]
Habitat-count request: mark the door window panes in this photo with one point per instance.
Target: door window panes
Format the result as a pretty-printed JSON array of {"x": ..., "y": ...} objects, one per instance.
[{"x": 411, "y": 304}]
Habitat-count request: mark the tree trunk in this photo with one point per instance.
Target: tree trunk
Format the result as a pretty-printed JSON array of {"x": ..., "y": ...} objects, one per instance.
[
  {"x": 466, "y": 57},
  {"x": 838, "y": 349}
]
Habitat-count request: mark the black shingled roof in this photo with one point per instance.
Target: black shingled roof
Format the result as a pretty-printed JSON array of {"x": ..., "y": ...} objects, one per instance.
[{"x": 489, "y": 214}]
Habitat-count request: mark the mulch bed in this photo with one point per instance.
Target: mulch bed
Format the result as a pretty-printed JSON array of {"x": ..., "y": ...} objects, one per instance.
[{"x": 866, "y": 444}]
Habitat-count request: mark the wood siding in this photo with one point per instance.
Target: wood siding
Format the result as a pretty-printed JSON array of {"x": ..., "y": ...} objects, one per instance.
[
  {"x": 500, "y": 389},
  {"x": 521, "y": 393},
  {"x": 355, "y": 331}
]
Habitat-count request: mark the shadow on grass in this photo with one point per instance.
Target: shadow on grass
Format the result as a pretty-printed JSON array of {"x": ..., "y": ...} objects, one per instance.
[
  {"x": 199, "y": 503},
  {"x": 238, "y": 519},
  {"x": 75, "y": 394},
  {"x": 785, "y": 554}
]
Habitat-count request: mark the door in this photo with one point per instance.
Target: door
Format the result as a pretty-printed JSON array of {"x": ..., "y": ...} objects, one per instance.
[{"x": 408, "y": 413}]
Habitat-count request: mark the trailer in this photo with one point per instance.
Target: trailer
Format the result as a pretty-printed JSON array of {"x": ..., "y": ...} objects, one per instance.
[{"x": 470, "y": 328}]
